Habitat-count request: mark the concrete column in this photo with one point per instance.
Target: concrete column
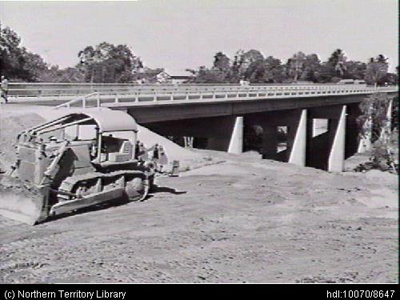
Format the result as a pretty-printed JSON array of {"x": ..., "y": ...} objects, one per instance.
[
  {"x": 236, "y": 142},
  {"x": 298, "y": 151},
  {"x": 337, "y": 152}
]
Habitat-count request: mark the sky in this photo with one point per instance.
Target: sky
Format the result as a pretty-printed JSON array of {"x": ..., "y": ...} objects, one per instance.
[{"x": 181, "y": 34}]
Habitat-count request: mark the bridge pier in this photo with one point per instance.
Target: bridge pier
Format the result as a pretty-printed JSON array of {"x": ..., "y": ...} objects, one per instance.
[
  {"x": 304, "y": 146},
  {"x": 298, "y": 151},
  {"x": 337, "y": 152},
  {"x": 294, "y": 121},
  {"x": 326, "y": 150},
  {"x": 236, "y": 141}
]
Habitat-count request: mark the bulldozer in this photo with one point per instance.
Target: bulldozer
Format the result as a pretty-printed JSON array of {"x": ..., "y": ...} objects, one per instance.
[{"x": 75, "y": 161}]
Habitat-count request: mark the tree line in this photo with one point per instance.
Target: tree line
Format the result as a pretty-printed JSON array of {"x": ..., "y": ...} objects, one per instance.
[
  {"x": 254, "y": 67},
  {"x": 106, "y": 62}
]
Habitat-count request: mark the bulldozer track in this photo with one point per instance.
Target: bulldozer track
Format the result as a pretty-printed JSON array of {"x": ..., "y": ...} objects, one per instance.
[{"x": 69, "y": 183}]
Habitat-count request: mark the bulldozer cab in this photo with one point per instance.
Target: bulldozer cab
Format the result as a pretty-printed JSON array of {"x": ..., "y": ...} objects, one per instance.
[{"x": 116, "y": 147}]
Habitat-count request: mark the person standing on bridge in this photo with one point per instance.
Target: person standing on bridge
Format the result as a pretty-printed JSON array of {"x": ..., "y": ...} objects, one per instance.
[{"x": 4, "y": 88}]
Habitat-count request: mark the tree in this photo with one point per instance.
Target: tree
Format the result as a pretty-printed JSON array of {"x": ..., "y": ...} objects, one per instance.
[
  {"x": 295, "y": 66},
  {"x": 237, "y": 68},
  {"x": 374, "y": 109},
  {"x": 355, "y": 70},
  {"x": 221, "y": 62},
  {"x": 11, "y": 56},
  {"x": 57, "y": 75},
  {"x": 242, "y": 61},
  {"x": 312, "y": 68},
  {"x": 269, "y": 70},
  {"x": 205, "y": 75},
  {"x": 16, "y": 62},
  {"x": 337, "y": 61},
  {"x": 33, "y": 66},
  {"x": 251, "y": 56},
  {"x": 377, "y": 69},
  {"x": 392, "y": 79},
  {"x": 108, "y": 63}
]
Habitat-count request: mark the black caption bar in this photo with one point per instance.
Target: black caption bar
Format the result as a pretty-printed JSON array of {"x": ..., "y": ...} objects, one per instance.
[{"x": 131, "y": 291}]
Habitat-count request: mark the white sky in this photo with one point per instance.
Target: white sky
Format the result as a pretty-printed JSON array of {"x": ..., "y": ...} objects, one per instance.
[{"x": 180, "y": 34}]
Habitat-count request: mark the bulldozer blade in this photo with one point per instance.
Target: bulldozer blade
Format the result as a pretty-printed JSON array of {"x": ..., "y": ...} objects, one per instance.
[{"x": 21, "y": 201}]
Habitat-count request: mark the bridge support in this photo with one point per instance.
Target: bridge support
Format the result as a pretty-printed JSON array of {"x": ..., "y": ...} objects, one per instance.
[
  {"x": 298, "y": 153},
  {"x": 298, "y": 136},
  {"x": 294, "y": 147},
  {"x": 236, "y": 142},
  {"x": 337, "y": 153}
]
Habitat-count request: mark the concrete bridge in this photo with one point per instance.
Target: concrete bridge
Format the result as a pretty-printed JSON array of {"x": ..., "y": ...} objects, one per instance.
[{"x": 219, "y": 114}]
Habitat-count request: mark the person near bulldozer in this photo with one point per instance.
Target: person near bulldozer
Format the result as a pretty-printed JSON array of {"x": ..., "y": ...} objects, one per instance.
[{"x": 158, "y": 156}]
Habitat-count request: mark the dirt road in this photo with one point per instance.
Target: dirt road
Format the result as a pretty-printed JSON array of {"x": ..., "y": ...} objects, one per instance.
[{"x": 244, "y": 220}]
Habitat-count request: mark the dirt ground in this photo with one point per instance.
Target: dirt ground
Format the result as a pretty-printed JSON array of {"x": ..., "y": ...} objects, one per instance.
[{"x": 241, "y": 219}]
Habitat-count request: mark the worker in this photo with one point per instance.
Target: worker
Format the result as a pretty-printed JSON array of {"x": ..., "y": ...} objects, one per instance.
[
  {"x": 4, "y": 88},
  {"x": 156, "y": 153},
  {"x": 142, "y": 154},
  {"x": 163, "y": 160}
]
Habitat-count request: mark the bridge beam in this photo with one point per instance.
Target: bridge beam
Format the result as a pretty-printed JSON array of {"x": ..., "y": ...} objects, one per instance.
[{"x": 223, "y": 133}]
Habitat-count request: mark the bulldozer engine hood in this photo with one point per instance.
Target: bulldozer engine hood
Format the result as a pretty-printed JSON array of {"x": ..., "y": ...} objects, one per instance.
[{"x": 106, "y": 121}]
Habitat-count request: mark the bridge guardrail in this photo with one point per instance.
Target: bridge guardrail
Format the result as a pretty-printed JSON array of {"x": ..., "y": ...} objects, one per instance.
[
  {"x": 97, "y": 99},
  {"x": 27, "y": 91}
]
